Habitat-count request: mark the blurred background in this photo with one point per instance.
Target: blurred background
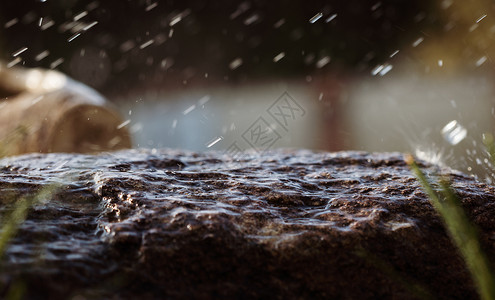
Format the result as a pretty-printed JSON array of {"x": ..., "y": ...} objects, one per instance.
[{"x": 410, "y": 76}]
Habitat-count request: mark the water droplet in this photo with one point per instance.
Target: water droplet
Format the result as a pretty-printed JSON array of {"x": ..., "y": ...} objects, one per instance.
[
  {"x": 243, "y": 7},
  {"x": 146, "y": 44},
  {"x": 123, "y": 124},
  {"x": 386, "y": 69},
  {"x": 189, "y": 109},
  {"x": 481, "y": 61},
  {"x": 89, "y": 26},
  {"x": 136, "y": 127},
  {"x": 376, "y": 70},
  {"x": 315, "y": 18},
  {"x": 75, "y": 36},
  {"x": 18, "y": 52},
  {"x": 80, "y": 15},
  {"x": 56, "y": 63},
  {"x": 151, "y": 6},
  {"x": 329, "y": 19},
  {"x": 203, "y": 100},
  {"x": 454, "y": 132},
  {"x": 381, "y": 69},
  {"x": 14, "y": 62},
  {"x": 42, "y": 55},
  {"x": 322, "y": 62},
  {"x": 175, "y": 20},
  {"x": 480, "y": 18},
  {"x": 236, "y": 63},
  {"x": 251, "y": 19},
  {"x": 279, "y": 23},
  {"x": 214, "y": 141},
  {"x": 279, "y": 57},
  {"x": 418, "y": 41},
  {"x": 394, "y": 54},
  {"x": 11, "y": 23}
]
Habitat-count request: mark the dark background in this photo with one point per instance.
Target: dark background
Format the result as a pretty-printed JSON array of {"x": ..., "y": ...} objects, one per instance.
[{"x": 209, "y": 37}]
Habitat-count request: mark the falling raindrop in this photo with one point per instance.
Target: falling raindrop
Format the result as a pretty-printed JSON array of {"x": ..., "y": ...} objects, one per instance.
[
  {"x": 146, "y": 44},
  {"x": 56, "y": 63},
  {"x": 386, "y": 69},
  {"x": 151, "y": 6},
  {"x": 279, "y": 57},
  {"x": 480, "y": 18},
  {"x": 73, "y": 37},
  {"x": 376, "y": 70},
  {"x": 80, "y": 15},
  {"x": 203, "y": 100},
  {"x": 235, "y": 63},
  {"x": 251, "y": 19},
  {"x": 214, "y": 141},
  {"x": 42, "y": 55},
  {"x": 14, "y": 62},
  {"x": 315, "y": 18},
  {"x": 381, "y": 69},
  {"x": 123, "y": 124},
  {"x": 175, "y": 20},
  {"x": 89, "y": 26},
  {"x": 11, "y": 23},
  {"x": 322, "y": 62},
  {"x": 418, "y": 41},
  {"x": 279, "y": 23},
  {"x": 454, "y": 132},
  {"x": 47, "y": 24},
  {"x": 189, "y": 109},
  {"x": 481, "y": 61},
  {"x": 329, "y": 19},
  {"x": 394, "y": 54},
  {"x": 18, "y": 52}
]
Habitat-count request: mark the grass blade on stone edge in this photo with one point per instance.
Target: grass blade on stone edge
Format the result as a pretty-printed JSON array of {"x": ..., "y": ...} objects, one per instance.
[
  {"x": 461, "y": 230},
  {"x": 11, "y": 225}
]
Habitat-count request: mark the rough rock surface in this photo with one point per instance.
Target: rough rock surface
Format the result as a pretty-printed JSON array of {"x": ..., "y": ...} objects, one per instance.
[{"x": 285, "y": 224}]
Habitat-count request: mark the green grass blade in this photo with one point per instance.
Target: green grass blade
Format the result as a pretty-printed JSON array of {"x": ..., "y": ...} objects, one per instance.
[
  {"x": 466, "y": 237},
  {"x": 9, "y": 228},
  {"x": 461, "y": 230},
  {"x": 18, "y": 215}
]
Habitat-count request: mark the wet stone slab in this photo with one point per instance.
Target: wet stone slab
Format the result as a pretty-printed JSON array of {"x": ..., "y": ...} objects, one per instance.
[{"x": 285, "y": 224}]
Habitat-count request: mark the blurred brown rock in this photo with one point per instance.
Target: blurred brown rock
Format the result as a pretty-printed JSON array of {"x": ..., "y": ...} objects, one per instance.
[{"x": 45, "y": 111}]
